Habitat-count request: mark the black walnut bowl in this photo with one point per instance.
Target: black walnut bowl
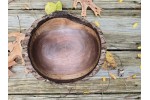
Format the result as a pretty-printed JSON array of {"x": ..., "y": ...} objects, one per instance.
[{"x": 65, "y": 48}]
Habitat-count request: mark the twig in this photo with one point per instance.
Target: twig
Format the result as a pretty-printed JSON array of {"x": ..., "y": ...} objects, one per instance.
[{"x": 19, "y": 23}]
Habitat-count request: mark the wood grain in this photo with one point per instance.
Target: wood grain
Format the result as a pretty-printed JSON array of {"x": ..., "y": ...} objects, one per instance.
[
  {"x": 24, "y": 86},
  {"x": 130, "y": 63},
  {"x": 23, "y": 83},
  {"x": 76, "y": 97},
  {"x": 105, "y": 4},
  {"x": 117, "y": 30},
  {"x": 116, "y": 23}
]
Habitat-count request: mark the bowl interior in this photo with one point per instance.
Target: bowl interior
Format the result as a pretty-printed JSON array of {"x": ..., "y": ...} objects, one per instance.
[{"x": 62, "y": 49}]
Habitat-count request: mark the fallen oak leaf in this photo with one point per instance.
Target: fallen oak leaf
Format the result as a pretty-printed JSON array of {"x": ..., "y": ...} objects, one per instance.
[
  {"x": 10, "y": 47},
  {"x": 15, "y": 49},
  {"x": 85, "y": 4},
  {"x": 10, "y": 64}
]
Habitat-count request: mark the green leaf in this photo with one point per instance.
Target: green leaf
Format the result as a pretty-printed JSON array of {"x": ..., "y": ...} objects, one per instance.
[
  {"x": 50, "y": 7},
  {"x": 59, "y": 6}
]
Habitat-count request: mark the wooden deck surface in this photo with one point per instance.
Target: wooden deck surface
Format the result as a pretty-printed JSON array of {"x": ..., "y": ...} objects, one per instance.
[{"x": 116, "y": 23}]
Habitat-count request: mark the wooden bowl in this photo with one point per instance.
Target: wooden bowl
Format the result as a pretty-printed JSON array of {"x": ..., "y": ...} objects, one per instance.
[{"x": 64, "y": 48}]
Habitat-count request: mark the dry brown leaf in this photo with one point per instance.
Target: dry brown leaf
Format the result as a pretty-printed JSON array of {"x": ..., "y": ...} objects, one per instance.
[
  {"x": 110, "y": 61},
  {"x": 85, "y": 4},
  {"x": 15, "y": 49},
  {"x": 12, "y": 63}
]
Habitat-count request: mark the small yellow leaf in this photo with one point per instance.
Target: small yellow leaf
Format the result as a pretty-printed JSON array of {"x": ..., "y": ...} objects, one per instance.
[
  {"x": 112, "y": 76},
  {"x": 120, "y": 1},
  {"x": 59, "y": 6},
  {"x": 133, "y": 76},
  {"x": 86, "y": 92},
  {"x": 139, "y": 47},
  {"x": 97, "y": 23},
  {"x": 110, "y": 60},
  {"x": 50, "y": 7},
  {"x": 103, "y": 79},
  {"x": 135, "y": 25},
  {"x": 139, "y": 56}
]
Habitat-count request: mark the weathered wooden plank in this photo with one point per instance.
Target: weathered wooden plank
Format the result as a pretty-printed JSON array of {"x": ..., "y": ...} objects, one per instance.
[
  {"x": 130, "y": 63},
  {"x": 105, "y": 4},
  {"x": 117, "y": 30},
  {"x": 31, "y": 86},
  {"x": 109, "y": 24},
  {"x": 134, "y": 13},
  {"x": 76, "y": 97},
  {"x": 129, "y": 70},
  {"x": 22, "y": 83}
]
